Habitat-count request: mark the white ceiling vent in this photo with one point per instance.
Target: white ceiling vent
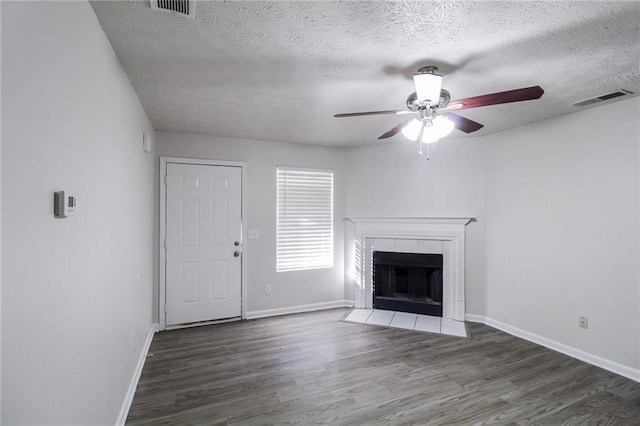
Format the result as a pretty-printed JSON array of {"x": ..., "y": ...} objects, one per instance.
[
  {"x": 186, "y": 8},
  {"x": 616, "y": 94}
]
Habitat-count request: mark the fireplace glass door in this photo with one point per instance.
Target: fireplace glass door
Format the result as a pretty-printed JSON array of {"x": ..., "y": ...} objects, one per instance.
[{"x": 408, "y": 282}]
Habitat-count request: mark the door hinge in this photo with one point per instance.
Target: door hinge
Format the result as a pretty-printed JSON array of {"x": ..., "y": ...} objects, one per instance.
[
  {"x": 165, "y": 308},
  {"x": 165, "y": 243},
  {"x": 165, "y": 179}
]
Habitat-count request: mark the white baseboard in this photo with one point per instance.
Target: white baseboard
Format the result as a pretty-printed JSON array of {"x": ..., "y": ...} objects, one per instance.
[
  {"x": 300, "y": 308},
  {"x": 598, "y": 361},
  {"x": 128, "y": 399},
  {"x": 476, "y": 318}
]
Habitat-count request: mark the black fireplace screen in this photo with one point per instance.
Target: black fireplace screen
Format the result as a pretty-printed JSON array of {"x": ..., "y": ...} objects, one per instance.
[{"x": 408, "y": 282}]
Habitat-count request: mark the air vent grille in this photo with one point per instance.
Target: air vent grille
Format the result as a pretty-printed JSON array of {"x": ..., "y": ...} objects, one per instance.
[
  {"x": 612, "y": 95},
  {"x": 184, "y": 8}
]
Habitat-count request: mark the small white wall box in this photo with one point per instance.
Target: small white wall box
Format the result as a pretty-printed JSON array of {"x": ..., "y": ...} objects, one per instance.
[
  {"x": 64, "y": 204},
  {"x": 146, "y": 143}
]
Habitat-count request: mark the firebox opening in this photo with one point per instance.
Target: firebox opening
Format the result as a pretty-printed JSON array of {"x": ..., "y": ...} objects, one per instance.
[{"x": 408, "y": 282}]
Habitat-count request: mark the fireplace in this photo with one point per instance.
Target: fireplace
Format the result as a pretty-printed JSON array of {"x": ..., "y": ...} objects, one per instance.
[
  {"x": 445, "y": 236},
  {"x": 408, "y": 282}
]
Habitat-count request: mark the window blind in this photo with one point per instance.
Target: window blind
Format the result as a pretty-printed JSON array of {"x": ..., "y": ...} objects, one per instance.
[{"x": 305, "y": 219}]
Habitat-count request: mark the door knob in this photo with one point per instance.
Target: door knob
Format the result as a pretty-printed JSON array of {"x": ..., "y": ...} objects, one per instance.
[
  {"x": 236, "y": 243},
  {"x": 236, "y": 253}
]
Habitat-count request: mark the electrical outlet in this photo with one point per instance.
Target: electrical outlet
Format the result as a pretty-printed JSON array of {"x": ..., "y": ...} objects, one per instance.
[
  {"x": 267, "y": 289},
  {"x": 254, "y": 234},
  {"x": 133, "y": 340},
  {"x": 583, "y": 322}
]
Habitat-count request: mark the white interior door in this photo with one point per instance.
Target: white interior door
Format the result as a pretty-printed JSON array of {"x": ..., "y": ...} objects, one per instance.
[{"x": 203, "y": 243}]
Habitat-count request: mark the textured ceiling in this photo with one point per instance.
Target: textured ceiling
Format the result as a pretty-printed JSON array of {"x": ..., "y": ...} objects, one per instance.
[{"x": 279, "y": 70}]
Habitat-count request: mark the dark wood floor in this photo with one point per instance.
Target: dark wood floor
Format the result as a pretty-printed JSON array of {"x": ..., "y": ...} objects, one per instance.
[{"x": 311, "y": 368}]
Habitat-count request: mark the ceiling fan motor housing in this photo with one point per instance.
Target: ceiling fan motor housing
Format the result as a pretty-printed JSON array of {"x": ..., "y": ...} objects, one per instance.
[
  {"x": 414, "y": 104},
  {"x": 445, "y": 97}
]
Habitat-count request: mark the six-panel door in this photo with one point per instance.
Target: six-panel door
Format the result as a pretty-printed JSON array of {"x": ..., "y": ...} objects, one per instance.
[{"x": 203, "y": 249}]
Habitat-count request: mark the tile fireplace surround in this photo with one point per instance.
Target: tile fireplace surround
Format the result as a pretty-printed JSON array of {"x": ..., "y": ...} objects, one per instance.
[{"x": 444, "y": 235}]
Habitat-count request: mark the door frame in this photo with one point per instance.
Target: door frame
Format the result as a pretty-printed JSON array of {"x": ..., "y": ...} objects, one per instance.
[{"x": 162, "y": 234}]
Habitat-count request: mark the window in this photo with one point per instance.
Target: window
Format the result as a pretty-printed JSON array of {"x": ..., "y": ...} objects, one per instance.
[{"x": 305, "y": 219}]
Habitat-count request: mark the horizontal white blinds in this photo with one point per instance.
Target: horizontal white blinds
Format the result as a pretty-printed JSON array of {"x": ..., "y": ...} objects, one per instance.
[{"x": 305, "y": 219}]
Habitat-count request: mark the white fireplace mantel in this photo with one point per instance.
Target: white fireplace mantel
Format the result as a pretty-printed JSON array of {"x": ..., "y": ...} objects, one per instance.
[{"x": 442, "y": 235}]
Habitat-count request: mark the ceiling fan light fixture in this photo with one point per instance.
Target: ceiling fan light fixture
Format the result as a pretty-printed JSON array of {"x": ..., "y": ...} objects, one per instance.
[
  {"x": 428, "y": 87},
  {"x": 412, "y": 130},
  {"x": 430, "y": 133},
  {"x": 443, "y": 125},
  {"x": 427, "y": 129}
]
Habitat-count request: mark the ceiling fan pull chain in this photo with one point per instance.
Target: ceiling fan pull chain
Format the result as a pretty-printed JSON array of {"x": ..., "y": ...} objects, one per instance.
[
  {"x": 420, "y": 139},
  {"x": 428, "y": 152}
]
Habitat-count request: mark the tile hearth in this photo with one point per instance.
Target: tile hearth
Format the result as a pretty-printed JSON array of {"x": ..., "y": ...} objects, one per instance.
[{"x": 407, "y": 321}]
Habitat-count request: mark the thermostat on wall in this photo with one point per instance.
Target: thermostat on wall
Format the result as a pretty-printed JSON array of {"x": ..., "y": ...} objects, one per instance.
[{"x": 63, "y": 204}]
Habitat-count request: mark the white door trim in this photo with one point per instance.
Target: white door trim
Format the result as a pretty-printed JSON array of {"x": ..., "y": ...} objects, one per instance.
[{"x": 162, "y": 268}]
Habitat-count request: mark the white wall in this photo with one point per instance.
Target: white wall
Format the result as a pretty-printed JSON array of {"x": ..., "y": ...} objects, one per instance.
[
  {"x": 289, "y": 289},
  {"x": 562, "y": 229},
  {"x": 393, "y": 180},
  {"x": 75, "y": 289},
  {"x": 0, "y": 218}
]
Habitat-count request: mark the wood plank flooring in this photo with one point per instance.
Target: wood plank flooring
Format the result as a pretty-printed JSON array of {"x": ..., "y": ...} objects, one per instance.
[{"x": 313, "y": 369}]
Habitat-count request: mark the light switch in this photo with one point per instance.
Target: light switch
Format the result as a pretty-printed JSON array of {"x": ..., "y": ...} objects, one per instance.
[{"x": 254, "y": 234}]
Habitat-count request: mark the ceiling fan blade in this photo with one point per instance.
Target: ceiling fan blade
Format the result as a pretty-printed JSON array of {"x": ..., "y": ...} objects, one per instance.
[
  {"x": 463, "y": 123},
  {"x": 394, "y": 131},
  {"x": 358, "y": 114},
  {"x": 525, "y": 94}
]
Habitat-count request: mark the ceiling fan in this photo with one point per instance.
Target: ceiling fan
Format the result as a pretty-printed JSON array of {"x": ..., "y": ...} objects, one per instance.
[{"x": 432, "y": 107}]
